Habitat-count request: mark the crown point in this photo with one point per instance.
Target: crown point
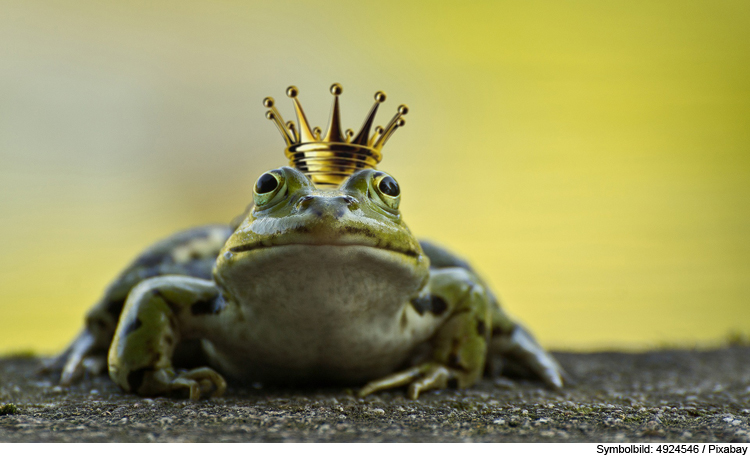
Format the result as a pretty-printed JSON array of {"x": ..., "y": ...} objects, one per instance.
[{"x": 329, "y": 160}]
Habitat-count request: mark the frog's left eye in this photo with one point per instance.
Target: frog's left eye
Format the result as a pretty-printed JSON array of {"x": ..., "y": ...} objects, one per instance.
[
  {"x": 387, "y": 191},
  {"x": 269, "y": 188}
]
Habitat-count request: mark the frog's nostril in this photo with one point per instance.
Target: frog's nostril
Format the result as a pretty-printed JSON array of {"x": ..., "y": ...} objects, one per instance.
[
  {"x": 350, "y": 202},
  {"x": 304, "y": 202}
]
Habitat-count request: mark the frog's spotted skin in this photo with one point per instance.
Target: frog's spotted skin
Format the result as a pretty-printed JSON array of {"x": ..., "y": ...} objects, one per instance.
[{"x": 310, "y": 286}]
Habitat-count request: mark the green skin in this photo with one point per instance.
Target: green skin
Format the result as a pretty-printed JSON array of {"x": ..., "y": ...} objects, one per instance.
[{"x": 309, "y": 286}]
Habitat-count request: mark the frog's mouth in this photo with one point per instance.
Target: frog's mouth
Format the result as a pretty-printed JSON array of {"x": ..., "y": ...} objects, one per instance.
[{"x": 265, "y": 244}]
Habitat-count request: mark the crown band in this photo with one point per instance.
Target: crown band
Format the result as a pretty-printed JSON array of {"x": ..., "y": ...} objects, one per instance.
[{"x": 331, "y": 159}]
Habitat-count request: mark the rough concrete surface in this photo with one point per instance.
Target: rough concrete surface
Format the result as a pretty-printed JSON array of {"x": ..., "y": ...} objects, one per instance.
[{"x": 660, "y": 396}]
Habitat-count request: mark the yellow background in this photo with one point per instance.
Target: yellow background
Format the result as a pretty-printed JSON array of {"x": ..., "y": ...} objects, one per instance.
[{"x": 589, "y": 158}]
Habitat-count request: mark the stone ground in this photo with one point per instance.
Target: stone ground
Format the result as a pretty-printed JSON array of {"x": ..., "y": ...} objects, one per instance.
[{"x": 659, "y": 396}]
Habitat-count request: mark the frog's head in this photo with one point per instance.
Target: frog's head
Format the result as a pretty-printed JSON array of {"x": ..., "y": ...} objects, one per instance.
[{"x": 303, "y": 232}]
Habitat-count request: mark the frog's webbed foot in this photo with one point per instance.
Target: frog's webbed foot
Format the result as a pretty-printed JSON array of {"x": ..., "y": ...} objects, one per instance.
[
  {"x": 522, "y": 351},
  {"x": 198, "y": 382},
  {"x": 419, "y": 378}
]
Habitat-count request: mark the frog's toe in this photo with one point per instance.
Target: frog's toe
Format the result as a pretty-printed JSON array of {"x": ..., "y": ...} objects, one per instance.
[
  {"x": 201, "y": 382},
  {"x": 419, "y": 378},
  {"x": 93, "y": 365},
  {"x": 198, "y": 382},
  {"x": 436, "y": 377},
  {"x": 395, "y": 380}
]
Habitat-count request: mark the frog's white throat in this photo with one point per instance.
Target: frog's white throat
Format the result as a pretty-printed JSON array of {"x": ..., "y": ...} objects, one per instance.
[
  {"x": 303, "y": 308},
  {"x": 322, "y": 281}
]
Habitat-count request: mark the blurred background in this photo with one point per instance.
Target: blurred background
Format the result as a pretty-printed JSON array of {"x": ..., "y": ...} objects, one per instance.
[{"x": 591, "y": 159}]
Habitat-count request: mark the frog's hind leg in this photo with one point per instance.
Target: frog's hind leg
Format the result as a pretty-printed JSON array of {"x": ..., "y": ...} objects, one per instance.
[
  {"x": 87, "y": 353},
  {"x": 77, "y": 358},
  {"x": 510, "y": 341},
  {"x": 520, "y": 351},
  {"x": 191, "y": 252},
  {"x": 80, "y": 359}
]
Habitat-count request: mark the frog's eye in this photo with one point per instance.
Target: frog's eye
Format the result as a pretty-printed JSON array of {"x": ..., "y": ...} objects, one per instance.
[
  {"x": 389, "y": 186},
  {"x": 269, "y": 188},
  {"x": 387, "y": 192}
]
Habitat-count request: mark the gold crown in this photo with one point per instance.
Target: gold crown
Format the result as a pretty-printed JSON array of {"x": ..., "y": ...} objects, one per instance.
[{"x": 329, "y": 160}]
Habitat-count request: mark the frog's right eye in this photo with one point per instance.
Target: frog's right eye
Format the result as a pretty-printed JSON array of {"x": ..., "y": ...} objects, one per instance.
[{"x": 269, "y": 189}]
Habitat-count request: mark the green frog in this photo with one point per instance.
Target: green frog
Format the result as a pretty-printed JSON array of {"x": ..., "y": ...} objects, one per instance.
[{"x": 319, "y": 282}]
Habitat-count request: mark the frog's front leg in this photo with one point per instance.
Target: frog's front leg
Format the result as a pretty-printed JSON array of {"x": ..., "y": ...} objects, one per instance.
[
  {"x": 191, "y": 252},
  {"x": 458, "y": 299},
  {"x": 158, "y": 314}
]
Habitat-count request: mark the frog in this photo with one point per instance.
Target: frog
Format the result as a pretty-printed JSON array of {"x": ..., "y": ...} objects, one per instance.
[{"x": 311, "y": 285}]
